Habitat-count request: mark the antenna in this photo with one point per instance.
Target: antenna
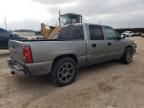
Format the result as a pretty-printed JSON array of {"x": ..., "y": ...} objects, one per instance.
[
  {"x": 100, "y": 21},
  {"x": 5, "y": 21},
  {"x": 59, "y": 18}
]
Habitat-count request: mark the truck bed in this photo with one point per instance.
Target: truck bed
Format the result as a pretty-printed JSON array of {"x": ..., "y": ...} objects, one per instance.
[{"x": 46, "y": 50}]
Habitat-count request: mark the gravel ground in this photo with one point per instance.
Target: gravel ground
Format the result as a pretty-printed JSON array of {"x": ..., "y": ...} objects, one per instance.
[{"x": 107, "y": 85}]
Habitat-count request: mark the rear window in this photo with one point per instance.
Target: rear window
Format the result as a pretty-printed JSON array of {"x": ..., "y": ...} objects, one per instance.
[{"x": 71, "y": 33}]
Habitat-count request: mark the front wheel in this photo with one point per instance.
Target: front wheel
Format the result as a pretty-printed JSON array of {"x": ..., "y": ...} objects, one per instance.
[
  {"x": 128, "y": 55},
  {"x": 64, "y": 71}
]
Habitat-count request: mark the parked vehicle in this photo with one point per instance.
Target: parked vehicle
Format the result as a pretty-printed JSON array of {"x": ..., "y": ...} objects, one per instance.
[
  {"x": 77, "y": 45},
  {"x": 127, "y": 34},
  {"x": 137, "y": 34},
  {"x": 5, "y": 36}
]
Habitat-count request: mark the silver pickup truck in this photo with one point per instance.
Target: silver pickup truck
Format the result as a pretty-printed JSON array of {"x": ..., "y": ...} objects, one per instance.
[{"x": 75, "y": 46}]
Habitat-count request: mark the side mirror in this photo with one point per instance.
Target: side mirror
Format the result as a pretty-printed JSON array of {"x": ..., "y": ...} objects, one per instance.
[
  {"x": 123, "y": 36},
  {"x": 13, "y": 35}
]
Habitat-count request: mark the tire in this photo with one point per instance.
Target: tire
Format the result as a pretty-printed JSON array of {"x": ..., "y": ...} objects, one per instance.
[
  {"x": 64, "y": 71},
  {"x": 128, "y": 55}
]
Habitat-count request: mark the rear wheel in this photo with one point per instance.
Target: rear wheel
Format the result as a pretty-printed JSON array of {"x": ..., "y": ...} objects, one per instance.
[
  {"x": 64, "y": 71},
  {"x": 128, "y": 55}
]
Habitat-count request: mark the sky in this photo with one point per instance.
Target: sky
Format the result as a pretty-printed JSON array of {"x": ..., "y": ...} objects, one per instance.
[{"x": 29, "y": 14}]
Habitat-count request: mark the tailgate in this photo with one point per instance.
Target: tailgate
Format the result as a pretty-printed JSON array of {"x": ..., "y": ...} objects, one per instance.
[{"x": 16, "y": 50}]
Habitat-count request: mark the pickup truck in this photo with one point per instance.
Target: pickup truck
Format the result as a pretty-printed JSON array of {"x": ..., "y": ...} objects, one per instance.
[{"x": 75, "y": 46}]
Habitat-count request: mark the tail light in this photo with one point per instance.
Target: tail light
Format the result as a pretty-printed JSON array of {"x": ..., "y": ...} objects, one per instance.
[{"x": 27, "y": 54}]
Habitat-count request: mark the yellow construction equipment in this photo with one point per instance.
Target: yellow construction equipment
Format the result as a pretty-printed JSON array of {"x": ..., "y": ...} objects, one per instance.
[{"x": 50, "y": 32}]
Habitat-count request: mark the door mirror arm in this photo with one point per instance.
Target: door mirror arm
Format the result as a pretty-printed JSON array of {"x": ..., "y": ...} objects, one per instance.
[{"x": 119, "y": 38}]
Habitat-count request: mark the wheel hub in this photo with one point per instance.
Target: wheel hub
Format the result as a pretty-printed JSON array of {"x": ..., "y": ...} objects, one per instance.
[{"x": 66, "y": 72}]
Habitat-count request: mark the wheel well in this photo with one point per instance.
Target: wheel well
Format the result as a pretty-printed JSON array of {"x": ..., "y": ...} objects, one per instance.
[
  {"x": 128, "y": 46},
  {"x": 125, "y": 50},
  {"x": 65, "y": 55}
]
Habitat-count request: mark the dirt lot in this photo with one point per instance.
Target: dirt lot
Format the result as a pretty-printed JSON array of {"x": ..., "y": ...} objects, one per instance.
[{"x": 108, "y": 85}]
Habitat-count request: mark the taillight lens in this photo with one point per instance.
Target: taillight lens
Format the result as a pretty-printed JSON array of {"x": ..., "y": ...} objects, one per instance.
[{"x": 27, "y": 54}]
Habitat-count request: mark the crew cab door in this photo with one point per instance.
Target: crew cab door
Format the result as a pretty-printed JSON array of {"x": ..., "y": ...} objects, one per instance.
[
  {"x": 96, "y": 45},
  {"x": 115, "y": 46}
]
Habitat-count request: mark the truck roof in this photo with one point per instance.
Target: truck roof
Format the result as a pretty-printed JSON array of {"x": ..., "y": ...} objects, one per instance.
[
  {"x": 71, "y": 14},
  {"x": 86, "y": 24}
]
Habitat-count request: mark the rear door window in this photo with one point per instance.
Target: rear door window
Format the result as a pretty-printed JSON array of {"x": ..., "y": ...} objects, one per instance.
[
  {"x": 72, "y": 33},
  {"x": 96, "y": 32}
]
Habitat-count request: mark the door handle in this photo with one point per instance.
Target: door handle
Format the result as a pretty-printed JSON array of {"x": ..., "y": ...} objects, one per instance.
[
  {"x": 109, "y": 43},
  {"x": 93, "y": 45}
]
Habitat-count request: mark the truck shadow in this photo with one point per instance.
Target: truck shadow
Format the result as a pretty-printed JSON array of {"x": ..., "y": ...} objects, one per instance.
[
  {"x": 44, "y": 82},
  {"x": 96, "y": 67}
]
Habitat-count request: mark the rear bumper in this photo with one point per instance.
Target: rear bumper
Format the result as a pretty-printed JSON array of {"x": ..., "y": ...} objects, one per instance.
[
  {"x": 34, "y": 69},
  {"x": 17, "y": 68}
]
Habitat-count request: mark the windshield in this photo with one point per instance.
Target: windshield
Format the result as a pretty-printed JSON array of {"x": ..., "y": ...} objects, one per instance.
[{"x": 69, "y": 19}]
